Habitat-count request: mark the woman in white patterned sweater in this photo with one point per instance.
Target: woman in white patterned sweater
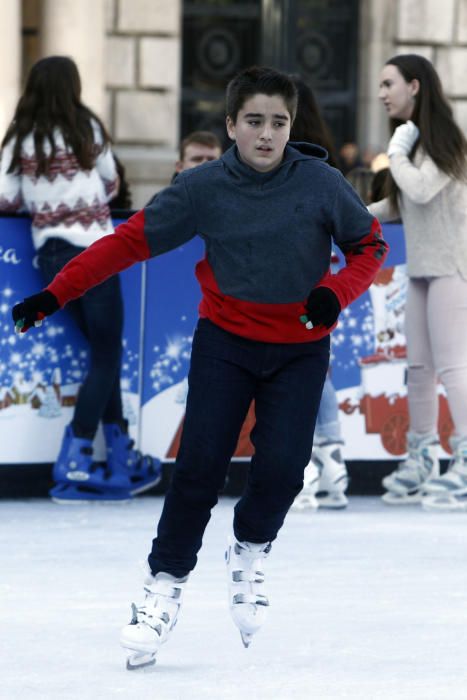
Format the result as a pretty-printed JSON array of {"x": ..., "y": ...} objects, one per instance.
[
  {"x": 427, "y": 188},
  {"x": 57, "y": 164}
]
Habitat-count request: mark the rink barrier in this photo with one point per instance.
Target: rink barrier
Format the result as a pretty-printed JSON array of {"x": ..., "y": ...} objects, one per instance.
[{"x": 40, "y": 372}]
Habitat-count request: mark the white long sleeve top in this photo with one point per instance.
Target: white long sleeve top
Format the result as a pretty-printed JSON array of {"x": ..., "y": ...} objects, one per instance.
[
  {"x": 68, "y": 202},
  {"x": 433, "y": 209}
]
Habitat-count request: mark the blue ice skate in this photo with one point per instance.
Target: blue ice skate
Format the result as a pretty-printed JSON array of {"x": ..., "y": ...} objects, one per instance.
[
  {"x": 128, "y": 466},
  {"x": 79, "y": 479}
]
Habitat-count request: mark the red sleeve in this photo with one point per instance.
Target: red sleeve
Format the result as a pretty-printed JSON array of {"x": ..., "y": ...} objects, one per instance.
[
  {"x": 104, "y": 258},
  {"x": 363, "y": 260}
]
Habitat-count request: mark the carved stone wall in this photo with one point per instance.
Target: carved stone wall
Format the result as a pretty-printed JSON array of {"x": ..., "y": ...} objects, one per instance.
[
  {"x": 142, "y": 71},
  {"x": 142, "y": 58},
  {"x": 434, "y": 29}
]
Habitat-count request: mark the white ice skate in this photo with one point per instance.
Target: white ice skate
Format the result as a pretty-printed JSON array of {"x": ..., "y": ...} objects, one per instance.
[
  {"x": 306, "y": 499},
  {"x": 406, "y": 484},
  {"x": 447, "y": 502},
  {"x": 247, "y": 600},
  {"x": 449, "y": 491},
  {"x": 334, "y": 479},
  {"x": 152, "y": 621}
]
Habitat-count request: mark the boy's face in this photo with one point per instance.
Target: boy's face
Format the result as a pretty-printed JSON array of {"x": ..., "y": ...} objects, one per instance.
[
  {"x": 261, "y": 131},
  {"x": 195, "y": 154}
]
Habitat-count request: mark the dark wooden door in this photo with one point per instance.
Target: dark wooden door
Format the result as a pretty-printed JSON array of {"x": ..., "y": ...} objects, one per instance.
[
  {"x": 220, "y": 37},
  {"x": 317, "y": 39}
]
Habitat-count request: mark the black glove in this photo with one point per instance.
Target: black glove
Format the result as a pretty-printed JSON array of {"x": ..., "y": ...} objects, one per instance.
[
  {"x": 322, "y": 308},
  {"x": 32, "y": 310}
]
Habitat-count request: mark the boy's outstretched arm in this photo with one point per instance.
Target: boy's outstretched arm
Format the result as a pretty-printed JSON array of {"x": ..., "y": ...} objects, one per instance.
[
  {"x": 104, "y": 258},
  {"x": 163, "y": 225}
]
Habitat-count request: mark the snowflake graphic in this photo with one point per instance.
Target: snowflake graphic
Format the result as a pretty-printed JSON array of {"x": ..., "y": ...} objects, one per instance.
[
  {"x": 171, "y": 362},
  {"x": 352, "y": 339},
  {"x": 43, "y": 350}
]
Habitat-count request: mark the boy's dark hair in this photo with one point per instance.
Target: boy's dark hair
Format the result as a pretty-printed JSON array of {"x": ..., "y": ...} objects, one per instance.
[
  {"x": 260, "y": 80},
  {"x": 204, "y": 138},
  {"x": 52, "y": 99}
]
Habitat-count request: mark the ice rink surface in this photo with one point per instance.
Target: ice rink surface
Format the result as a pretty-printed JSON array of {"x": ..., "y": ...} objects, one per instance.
[{"x": 367, "y": 603}]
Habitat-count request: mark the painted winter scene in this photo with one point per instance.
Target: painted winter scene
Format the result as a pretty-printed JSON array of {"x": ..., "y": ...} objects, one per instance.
[
  {"x": 41, "y": 371},
  {"x": 368, "y": 362},
  {"x": 40, "y": 380}
]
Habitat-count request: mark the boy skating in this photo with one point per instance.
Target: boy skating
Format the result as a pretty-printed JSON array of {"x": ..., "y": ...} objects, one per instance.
[{"x": 268, "y": 214}]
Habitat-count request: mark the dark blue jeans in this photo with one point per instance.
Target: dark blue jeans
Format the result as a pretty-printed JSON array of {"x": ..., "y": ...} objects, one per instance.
[
  {"x": 99, "y": 316},
  {"x": 227, "y": 372}
]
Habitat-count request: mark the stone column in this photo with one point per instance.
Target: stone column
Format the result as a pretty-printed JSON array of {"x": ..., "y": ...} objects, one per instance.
[
  {"x": 377, "y": 44},
  {"x": 10, "y": 61},
  {"x": 145, "y": 40},
  {"x": 77, "y": 29}
]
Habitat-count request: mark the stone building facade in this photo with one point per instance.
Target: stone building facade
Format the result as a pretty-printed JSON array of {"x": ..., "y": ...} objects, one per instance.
[{"x": 129, "y": 54}]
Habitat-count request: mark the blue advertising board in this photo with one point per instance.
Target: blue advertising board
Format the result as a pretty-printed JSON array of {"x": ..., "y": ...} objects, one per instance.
[
  {"x": 368, "y": 359},
  {"x": 368, "y": 365},
  {"x": 41, "y": 371}
]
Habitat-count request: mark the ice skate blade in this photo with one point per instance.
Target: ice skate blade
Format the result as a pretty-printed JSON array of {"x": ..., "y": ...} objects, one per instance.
[
  {"x": 246, "y": 639},
  {"x": 336, "y": 502},
  {"x": 86, "y": 502},
  {"x": 65, "y": 494},
  {"x": 443, "y": 504},
  {"x": 145, "y": 487},
  {"x": 394, "y": 499},
  {"x": 305, "y": 504},
  {"x": 139, "y": 660},
  {"x": 429, "y": 490}
]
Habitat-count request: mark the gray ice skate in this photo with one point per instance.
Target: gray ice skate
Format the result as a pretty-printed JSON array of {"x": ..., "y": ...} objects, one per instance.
[
  {"x": 247, "y": 600},
  {"x": 306, "y": 499},
  {"x": 153, "y": 621},
  {"x": 406, "y": 484},
  {"x": 334, "y": 479},
  {"x": 449, "y": 491}
]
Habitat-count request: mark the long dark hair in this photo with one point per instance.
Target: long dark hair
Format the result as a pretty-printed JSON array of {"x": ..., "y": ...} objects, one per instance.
[
  {"x": 440, "y": 137},
  {"x": 52, "y": 99},
  {"x": 309, "y": 125}
]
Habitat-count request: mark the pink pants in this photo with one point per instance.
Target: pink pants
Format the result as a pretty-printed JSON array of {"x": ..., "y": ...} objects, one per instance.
[{"x": 436, "y": 332}]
